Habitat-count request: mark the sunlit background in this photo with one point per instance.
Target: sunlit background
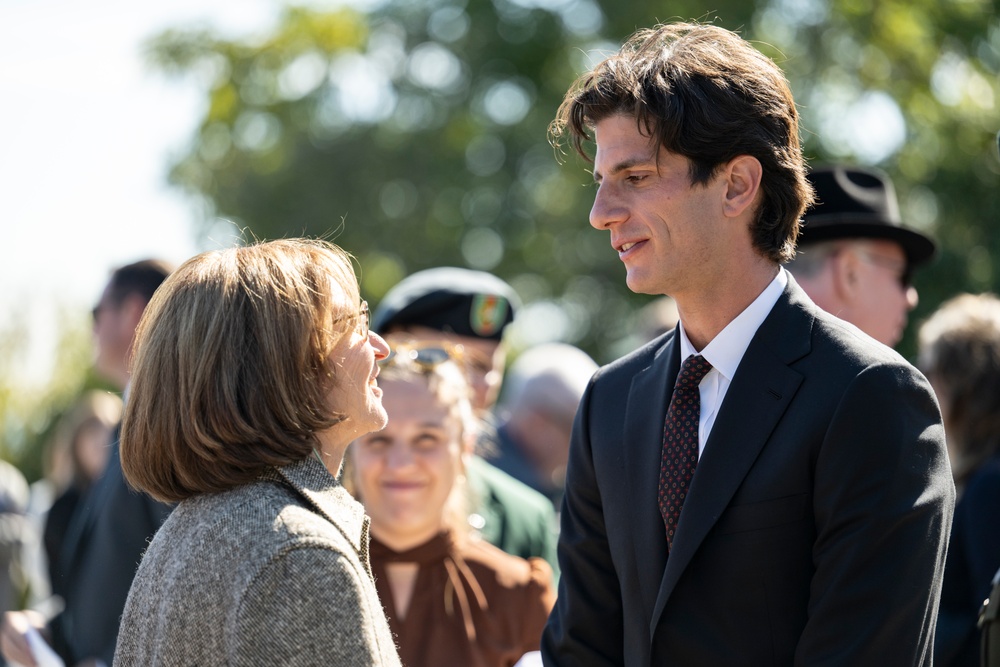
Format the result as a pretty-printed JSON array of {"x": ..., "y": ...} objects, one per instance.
[
  {"x": 87, "y": 132},
  {"x": 413, "y": 132}
]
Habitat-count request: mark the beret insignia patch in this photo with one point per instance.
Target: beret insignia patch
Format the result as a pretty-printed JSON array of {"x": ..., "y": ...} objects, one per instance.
[{"x": 488, "y": 314}]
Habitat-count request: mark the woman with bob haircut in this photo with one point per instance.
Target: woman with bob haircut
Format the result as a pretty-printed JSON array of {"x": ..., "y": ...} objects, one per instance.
[
  {"x": 451, "y": 597},
  {"x": 253, "y": 370}
]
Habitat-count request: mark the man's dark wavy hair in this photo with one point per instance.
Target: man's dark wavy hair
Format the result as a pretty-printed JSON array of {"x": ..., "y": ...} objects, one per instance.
[{"x": 705, "y": 93}]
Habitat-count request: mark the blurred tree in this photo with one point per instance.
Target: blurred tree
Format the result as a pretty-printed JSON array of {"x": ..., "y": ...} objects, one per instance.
[
  {"x": 414, "y": 133},
  {"x": 30, "y": 409},
  {"x": 913, "y": 87}
]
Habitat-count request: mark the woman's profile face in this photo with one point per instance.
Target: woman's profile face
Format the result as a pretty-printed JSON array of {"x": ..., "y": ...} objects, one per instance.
[
  {"x": 355, "y": 392},
  {"x": 405, "y": 472}
]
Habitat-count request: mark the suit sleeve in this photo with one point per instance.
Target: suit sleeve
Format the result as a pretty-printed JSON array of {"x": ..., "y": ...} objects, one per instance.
[
  {"x": 585, "y": 626},
  {"x": 883, "y": 502},
  {"x": 307, "y": 605}
]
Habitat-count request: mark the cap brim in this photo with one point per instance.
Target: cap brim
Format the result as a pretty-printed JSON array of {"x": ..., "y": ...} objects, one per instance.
[{"x": 919, "y": 249}]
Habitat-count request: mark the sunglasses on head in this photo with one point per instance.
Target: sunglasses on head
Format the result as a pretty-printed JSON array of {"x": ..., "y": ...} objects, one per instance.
[{"x": 426, "y": 356}]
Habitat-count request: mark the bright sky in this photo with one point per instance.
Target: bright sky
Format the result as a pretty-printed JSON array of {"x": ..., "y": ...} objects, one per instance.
[{"x": 87, "y": 132}]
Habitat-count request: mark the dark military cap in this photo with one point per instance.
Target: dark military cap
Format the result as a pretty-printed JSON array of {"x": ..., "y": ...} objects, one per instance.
[{"x": 459, "y": 301}]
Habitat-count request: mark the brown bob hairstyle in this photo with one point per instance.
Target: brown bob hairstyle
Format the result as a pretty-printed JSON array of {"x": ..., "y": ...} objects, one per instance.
[
  {"x": 230, "y": 372},
  {"x": 705, "y": 93}
]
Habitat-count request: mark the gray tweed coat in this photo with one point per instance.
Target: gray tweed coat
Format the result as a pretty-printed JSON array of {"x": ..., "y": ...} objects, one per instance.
[{"x": 271, "y": 573}]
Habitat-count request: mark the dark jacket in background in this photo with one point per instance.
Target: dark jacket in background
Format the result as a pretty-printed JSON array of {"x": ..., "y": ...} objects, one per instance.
[
  {"x": 973, "y": 559},
  {"x": 102, "y": 549}
]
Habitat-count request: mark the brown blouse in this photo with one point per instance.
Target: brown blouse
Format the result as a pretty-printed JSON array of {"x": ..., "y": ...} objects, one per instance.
[{"x": 473, "y": 605}]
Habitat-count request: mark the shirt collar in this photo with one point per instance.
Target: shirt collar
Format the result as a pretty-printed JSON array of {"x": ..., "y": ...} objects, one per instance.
[{"x": 726, "y": 350}]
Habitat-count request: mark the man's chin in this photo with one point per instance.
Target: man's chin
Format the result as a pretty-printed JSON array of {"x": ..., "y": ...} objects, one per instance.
[{"x": 640, "y": 284}]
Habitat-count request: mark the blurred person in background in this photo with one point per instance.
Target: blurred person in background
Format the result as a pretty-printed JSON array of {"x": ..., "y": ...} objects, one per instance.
[
  {"x": 254, "y": 369},
  {"x": 465, "y": 312},
  {"x": 80, "y": 455},
  {"x": 451, "y": 597},
  {"x": 14, "y": 534},
  {"x": 541, "y": 392},
  {"x": 656, "y": 318},
  {"x": 959, "y": 350},
  {"x": 460, "y": 306},
  {"x": 112, "y": 524},
  {"x": 855, "y": 258}
]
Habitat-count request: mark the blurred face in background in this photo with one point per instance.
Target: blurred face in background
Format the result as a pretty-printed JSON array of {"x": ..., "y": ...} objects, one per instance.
[
  {"x": 405, "y": 473},
  {"x": 91, "y": 449},
  {"x": 114, "y": 328},
  {"x": 884, "y": 296}
]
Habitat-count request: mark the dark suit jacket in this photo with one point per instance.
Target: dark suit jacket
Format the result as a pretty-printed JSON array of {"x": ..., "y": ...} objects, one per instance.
[
  {"x": 104, "y": 545},
  {"x": 815, "y": 528}
]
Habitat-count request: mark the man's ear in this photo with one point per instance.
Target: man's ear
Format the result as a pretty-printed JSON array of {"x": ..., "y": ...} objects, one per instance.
[
  {"x": 846, "y": 268},
  {"x": 742, "y": 176}
]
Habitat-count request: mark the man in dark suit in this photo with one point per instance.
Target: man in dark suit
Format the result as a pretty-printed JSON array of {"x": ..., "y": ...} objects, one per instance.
[
  {"x": 764, "y": 485},
  {"x": 113, "y": 523}
]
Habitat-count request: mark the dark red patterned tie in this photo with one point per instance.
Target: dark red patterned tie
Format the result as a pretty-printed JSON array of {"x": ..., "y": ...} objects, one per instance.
[{"x": 680, "y": 442}]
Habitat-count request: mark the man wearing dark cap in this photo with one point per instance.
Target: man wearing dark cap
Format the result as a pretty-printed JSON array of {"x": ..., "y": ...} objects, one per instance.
[
  {"x": 855, "y": 257},
  {"x": 471, "y": 309}
]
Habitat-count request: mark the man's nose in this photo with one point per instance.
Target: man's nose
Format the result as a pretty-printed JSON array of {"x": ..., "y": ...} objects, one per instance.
[{"x": 607, "y": 210}]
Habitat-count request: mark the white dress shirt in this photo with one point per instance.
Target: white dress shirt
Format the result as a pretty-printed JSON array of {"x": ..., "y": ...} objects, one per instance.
[{"x": 725, "y": 352}]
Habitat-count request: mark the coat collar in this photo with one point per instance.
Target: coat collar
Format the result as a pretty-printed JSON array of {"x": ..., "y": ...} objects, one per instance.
[
  {"x": 758, "y": 397},
  {"x": 323, "y": 492}
]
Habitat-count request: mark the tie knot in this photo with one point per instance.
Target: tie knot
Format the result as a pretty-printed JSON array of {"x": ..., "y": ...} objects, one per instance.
[{"x": 693, "y": 370}]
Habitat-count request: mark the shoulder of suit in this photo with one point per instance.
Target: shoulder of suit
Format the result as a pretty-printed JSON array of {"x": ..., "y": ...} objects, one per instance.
[
  {"x": 831, "y": 333},
  {"x": 637, "y": 359}
]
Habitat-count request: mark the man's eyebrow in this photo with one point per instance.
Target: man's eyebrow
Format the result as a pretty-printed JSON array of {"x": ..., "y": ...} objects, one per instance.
[{"x": 624, "y": 165}]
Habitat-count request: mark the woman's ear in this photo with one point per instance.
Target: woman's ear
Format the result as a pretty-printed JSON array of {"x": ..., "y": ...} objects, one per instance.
[{"x": 742, "y": 176}]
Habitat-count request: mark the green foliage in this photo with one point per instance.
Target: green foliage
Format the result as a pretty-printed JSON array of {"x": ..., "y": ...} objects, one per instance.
[
  {"x": 29, "y": 411},
  {"x": 415, "y": 135},
  {"x": 939, "y": 62}
]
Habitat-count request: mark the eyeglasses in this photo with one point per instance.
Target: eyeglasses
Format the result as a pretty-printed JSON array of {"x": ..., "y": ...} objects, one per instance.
[
  {"x": 425, "y": 356},
  {"x": 361, "y": 317},
  {"x": 903, "y": 272}
]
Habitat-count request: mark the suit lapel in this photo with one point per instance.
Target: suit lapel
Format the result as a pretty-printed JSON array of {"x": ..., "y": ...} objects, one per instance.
[
  {"x": 758, "y": 396},
  {"x": 641, "y": 452}
]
